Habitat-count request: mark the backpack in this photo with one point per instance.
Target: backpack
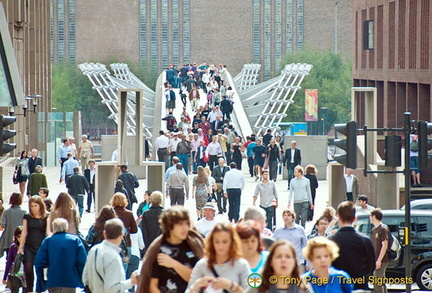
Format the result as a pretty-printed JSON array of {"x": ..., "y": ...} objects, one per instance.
[
  {"x": 210, "y": 96},
  {"x": 171, "y": 121},
  {"x": 172, "y": 95},
  {"x": 393, "y": 249},
  {"x": 414, "y": 145}
]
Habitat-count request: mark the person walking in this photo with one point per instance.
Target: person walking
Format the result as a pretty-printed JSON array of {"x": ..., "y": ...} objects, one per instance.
[
  {"x": 214, "y": 150},
  {"x": 237, "y": 149},
  {"x": 22, "y": 171},
  {"x": 12, "y": 218},
  {"x": 77, "y": 186},
  {"x": 62, "y": 153},
  {"x": 130, "y": 182},
  {"x": 51, "y": 251},
  {"x": 273, "y": 153},
  {"x": 351, "y": 185},
  {"x": 90, "y": 175},
  {"x": 183, "y": 152},
  {"x": 66, "y": 208},
  {"x": 300, "y": 195},
  {"x": 34, "y": 161},
  {"x": 103, "y": 271},
  {"x": 68, "y": 168},
  {"x": 356, "y": 253},
  {"x": 161, "y": 146},
  {"x": 150, "y": 219},
  {"x": 292, "y": 159},
  {"x": 266, "y": 190},
  {"x": 311, "y": 172},
  {"x": 233, "y": 184},
  {"x": 85, "y": 152},
  {"x": 380, "y": 238},
  {"x": 219, "y": 174},
  {"x": 37, "y": 180},
  {"x": 177, "y": 186},
  {"x": 201, "y": 190}
]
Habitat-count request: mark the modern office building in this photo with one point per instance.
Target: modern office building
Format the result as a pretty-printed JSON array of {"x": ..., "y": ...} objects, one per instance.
[{"x": 158, "y": 32}]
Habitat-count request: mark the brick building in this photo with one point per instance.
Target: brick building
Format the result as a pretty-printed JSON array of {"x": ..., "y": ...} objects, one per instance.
[
  {"x": 392, "y": 52},
  {"x": 157, "y": 32}
]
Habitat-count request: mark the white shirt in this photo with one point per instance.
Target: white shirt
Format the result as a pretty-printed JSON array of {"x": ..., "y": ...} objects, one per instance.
[
  {"x": 233, "y": 179},
  {"x": 161, "y": 142},
  {"x": 349, "y": 183},
  {"x": 214, "y": 148},
  {"x": 92, "y": 175},
  {"x": 204, "y": 226},
  {"x": 292, "y": 155},
  {"x": 212, "y": 116},
  {"x": 173, "y": 144},
  {"x": 137, "y": 243}
]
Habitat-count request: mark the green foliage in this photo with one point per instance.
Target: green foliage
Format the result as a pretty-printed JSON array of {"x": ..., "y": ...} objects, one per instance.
[
  {"x": 332, "y": 76},
  {"x": 72, "y": 91}
]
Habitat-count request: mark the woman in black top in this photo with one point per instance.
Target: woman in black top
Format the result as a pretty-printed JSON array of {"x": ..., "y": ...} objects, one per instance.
[
  {"x": 34, "y": 232},
  {"x": 311, "y": 172}
]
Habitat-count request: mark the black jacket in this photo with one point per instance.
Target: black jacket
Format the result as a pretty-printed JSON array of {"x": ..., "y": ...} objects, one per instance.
[
  {"x": 130, "y": 182},
  {"x": 226, "y": 106},
  {"x": 287, "y": 157},
  {"x": 32, "y": 163},
  {"x": 150, "y": 224},
  {"x": 77, "y": 184},
  {"x": 356, "y": 254},
  {"x": 217, "y": 174},
  {"x": 87, "y": 176}
]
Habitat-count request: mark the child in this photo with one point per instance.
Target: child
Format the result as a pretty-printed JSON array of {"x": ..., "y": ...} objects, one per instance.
[{"x": 15, "y": 282}]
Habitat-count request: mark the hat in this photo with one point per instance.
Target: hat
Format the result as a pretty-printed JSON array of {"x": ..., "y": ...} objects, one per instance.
[{"x": 210, "y": 205}]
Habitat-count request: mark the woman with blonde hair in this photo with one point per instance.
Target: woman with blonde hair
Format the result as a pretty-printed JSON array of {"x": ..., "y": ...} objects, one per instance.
[
  {"x": 222, "y": 268},
  {"x": 321, "y": 252},
  {"x": 200, "y": 190},
  {"x": 330, "y": 214},
  {"x": 119, "y": 202},
  {"x": 65, "y": 207},
  {"x": 34, "y": 232}
]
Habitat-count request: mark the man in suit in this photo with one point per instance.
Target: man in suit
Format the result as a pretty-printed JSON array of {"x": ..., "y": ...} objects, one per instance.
[
  {"x": 90, "y": 175},
  {"x": 218, "y": 174},
  {"x": 292, "y": 158},
  {"x": 226, "y": 108},
  {"x": 356, "y": 253},
  {"x": 34, "y": 161},
  {"x": 77, "y": 185},
  {"x": 217, "y": 124},
  {"x": 351, "y": 185}
]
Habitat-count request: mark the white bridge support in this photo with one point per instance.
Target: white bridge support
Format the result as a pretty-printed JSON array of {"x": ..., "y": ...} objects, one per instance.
[
  {"x": 268, "y": 102},
  {"x": 108, "y": 86},
  {"x": 247, "y": 77}
]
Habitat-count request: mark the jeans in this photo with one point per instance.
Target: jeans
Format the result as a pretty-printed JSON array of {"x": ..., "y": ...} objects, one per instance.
[
  {"x": 79, "y": 199},
  {"x": 380, "y": 274},
  {"x": 251, "y": 165},
  {"x": 270, "y": 214},
  {"x": 184, "y": 159},
  {"x": 349, "y": 196},
  {"x": 301, "y": 209},
  {"x": 234, "y": 195}
]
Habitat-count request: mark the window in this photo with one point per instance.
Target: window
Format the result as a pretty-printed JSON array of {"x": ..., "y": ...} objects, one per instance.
[{"x": 368, "y": 35}]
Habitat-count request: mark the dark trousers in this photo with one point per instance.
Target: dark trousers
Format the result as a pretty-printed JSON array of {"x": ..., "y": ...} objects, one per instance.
[
  {"x": 221, "y": 201},
  {"x": 177, "y": 196},
  {"x": 251, "y": 166},
  {"x": 349, "y": 196},
  {"x": 290, "y": 168},
  {"x": 234, "y": 195},
  {"x": 163, "y": 156},
  {"x": 213, "y": 161},
  {"x": 270, "y": 214},
  {"x": 226, "y": 115},
  {"x": 91, "y": 196},
  {"x": 273, "y": 169}
]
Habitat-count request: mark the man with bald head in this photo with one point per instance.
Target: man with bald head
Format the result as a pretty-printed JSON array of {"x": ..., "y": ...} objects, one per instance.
[{"x": 218, "y": 174}]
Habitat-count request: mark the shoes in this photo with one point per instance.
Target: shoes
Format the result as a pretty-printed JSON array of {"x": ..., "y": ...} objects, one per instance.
[
  {"x": 274, "y": 180},
  {"x": 415, "y": 185},
  {"x": 88, "y": 211},
  {"x": 220, "y": 213},
  {"x": 256, "y": 178},
  {"x": 419, "y": 185},
  {"x": 224, "y": 210}
]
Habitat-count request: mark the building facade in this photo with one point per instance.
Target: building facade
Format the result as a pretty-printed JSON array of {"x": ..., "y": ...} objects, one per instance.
[{"x": 155, "y": 33}]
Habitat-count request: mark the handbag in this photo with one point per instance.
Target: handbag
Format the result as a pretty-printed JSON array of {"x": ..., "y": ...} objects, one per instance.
[
  {"x": 206, "y": 157},
  {"x": 17, "y": 271},
  {"x": 15, "y": 178}
]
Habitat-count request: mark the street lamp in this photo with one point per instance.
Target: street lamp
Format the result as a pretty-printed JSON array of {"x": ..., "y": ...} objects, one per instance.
[
  {"x": 30, "y": 100},
  {"x": 323, "y": 118}
]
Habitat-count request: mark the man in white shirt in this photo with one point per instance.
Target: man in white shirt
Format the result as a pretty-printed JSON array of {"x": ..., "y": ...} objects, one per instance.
[
  {"x": 206, "y": 224},
  {"x": 233, "y": 184},
  {"x": 172, "y": 146},
  {"x": 351, "y": 185},
  {"x": 161, "y": 146},
  {"x": 363, "y": 205}
]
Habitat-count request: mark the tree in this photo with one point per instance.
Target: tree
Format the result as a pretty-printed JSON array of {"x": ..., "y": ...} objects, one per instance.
[{"x": 332, "y": 76}]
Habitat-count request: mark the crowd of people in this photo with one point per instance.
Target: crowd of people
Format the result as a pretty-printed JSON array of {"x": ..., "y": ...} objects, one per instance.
[{"x": 203, "y": 157}]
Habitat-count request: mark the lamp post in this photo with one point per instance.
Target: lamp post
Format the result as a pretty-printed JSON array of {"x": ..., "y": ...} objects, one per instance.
[
  {"x": 323, "y": 118},
  {"x": 336, "y": 27}
]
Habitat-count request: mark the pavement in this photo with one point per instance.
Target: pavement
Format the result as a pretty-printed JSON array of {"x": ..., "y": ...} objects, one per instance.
[{"x": 88, "y": 219}]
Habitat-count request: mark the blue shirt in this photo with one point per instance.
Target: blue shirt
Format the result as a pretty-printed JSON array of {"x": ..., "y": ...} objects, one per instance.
[
  {"x": 296, "y": 235},
  {"x": 250, "y": 148},
  {"x": 263, "y": 259},
  {"x": 68, "y": 167},
  {"x": 335, "y": 283},
  {"x": 63, "y": 151},
  {"x": 170, "y": 170}
]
